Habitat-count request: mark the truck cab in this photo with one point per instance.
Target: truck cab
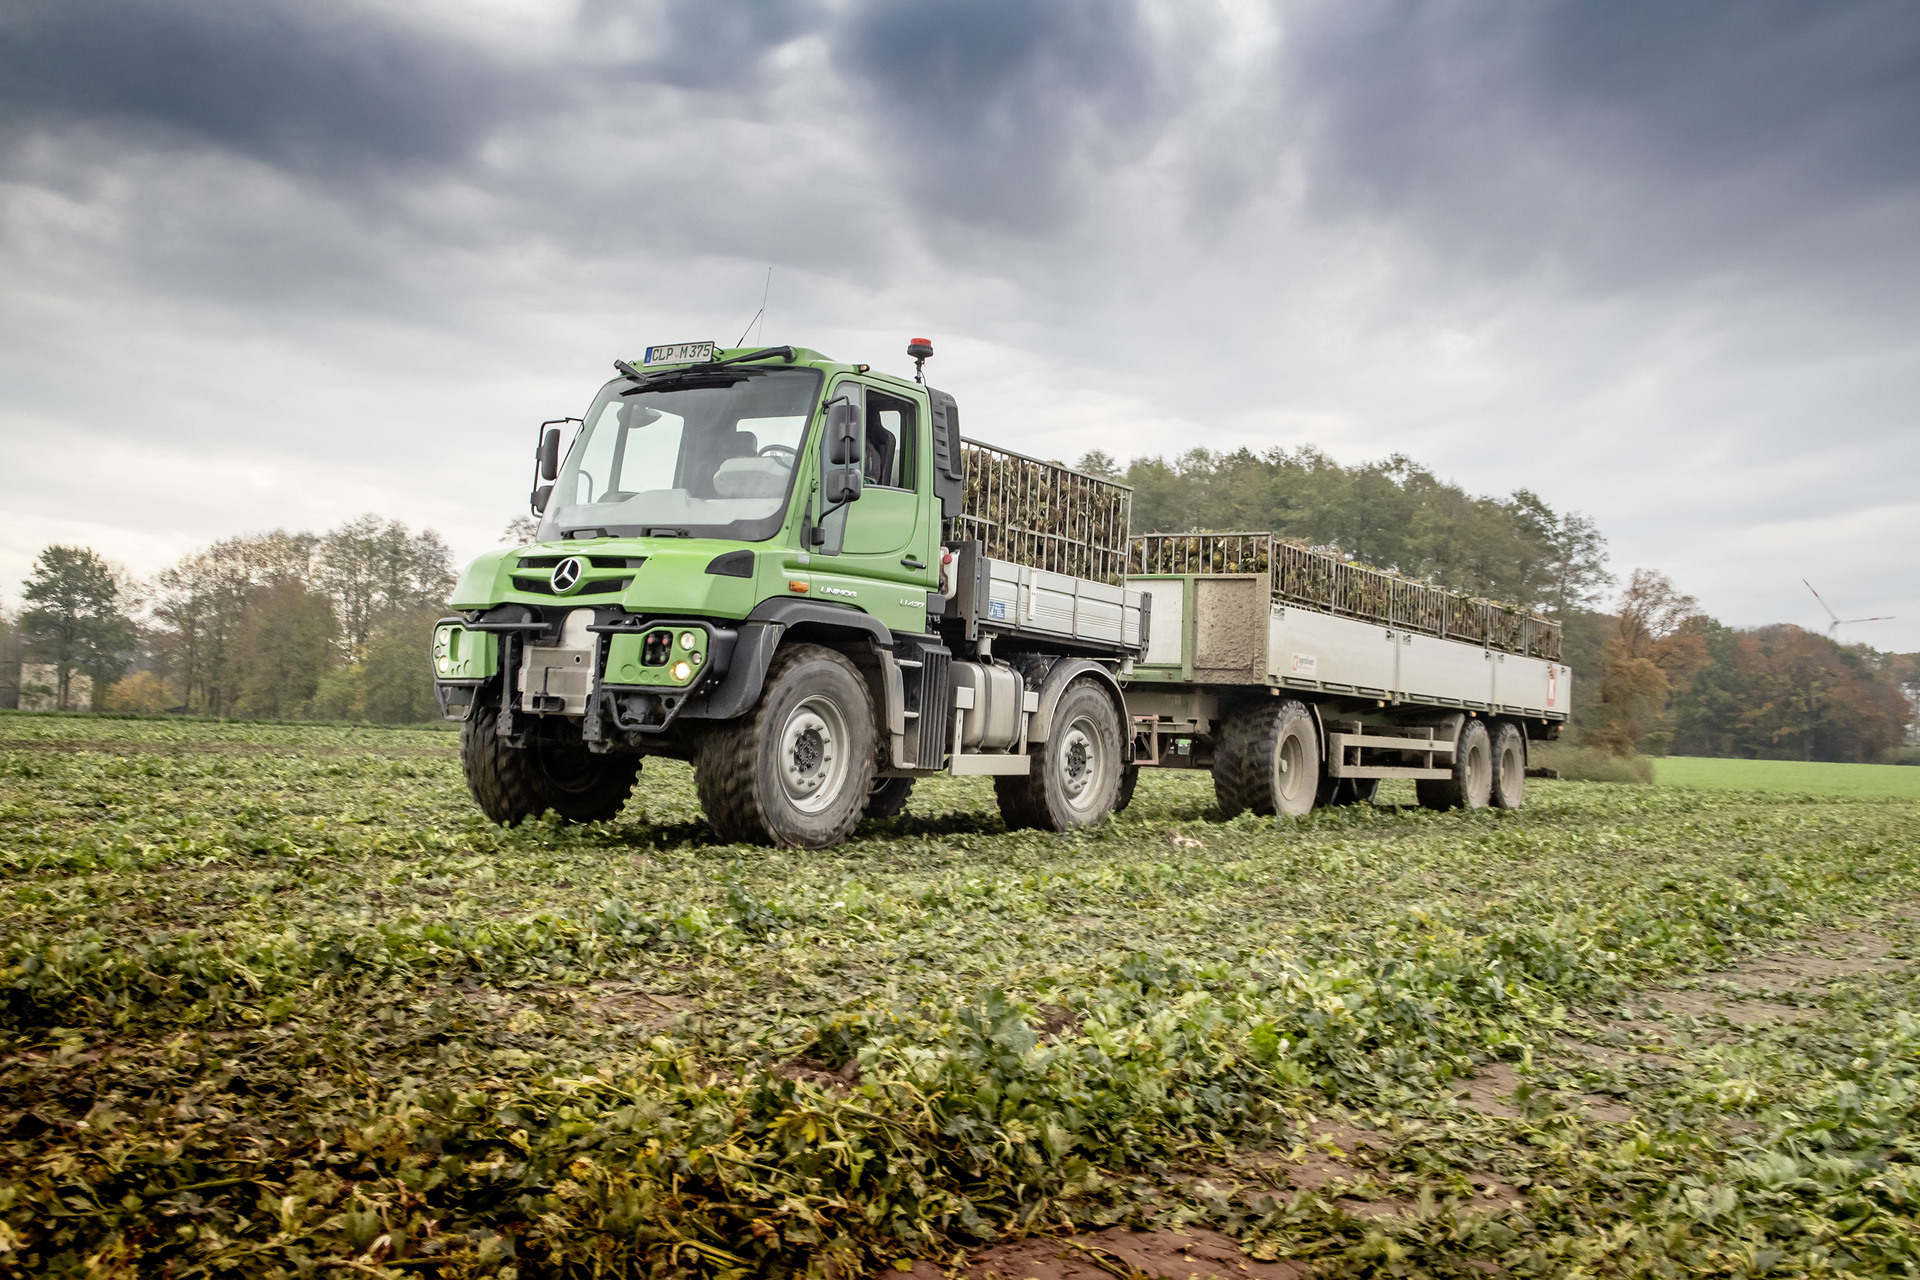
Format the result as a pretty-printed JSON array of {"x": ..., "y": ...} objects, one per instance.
[{"x": 720, "y": 520}]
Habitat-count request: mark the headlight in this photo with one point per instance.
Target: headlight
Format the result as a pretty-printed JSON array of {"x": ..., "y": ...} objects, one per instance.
[
  {"x": 682, "y": 669},
  {"x": 687, "y": 640},
  {"x": 444, "y": 665}
]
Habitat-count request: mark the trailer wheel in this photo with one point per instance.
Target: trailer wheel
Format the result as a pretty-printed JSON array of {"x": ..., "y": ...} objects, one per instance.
[
  {"x": 579, "y": 785},
  {"x": 1267, "y": 761},
  {"x": 887, "y": 798},
  {"x": 501, "y": 778},
  {"x": 1347, "y": 791},
  {"x": 1472, "y": 780},
  {"x": 1129, "y": 779},
  {"x": 1077, "y": 777},
  {"x": 796, "y": 770},
  {"x": 1509, "y": 767}
]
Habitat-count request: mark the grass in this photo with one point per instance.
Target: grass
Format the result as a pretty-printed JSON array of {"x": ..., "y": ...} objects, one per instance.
[
  {"x": 1799, "y": 777},
  {"x": 278, "y": 1002}
]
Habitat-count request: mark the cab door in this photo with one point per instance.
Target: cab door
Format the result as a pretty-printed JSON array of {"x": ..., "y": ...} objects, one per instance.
[{"x": 886, "y": 564}]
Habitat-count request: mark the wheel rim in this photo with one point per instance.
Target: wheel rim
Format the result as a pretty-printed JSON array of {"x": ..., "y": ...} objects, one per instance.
[
  {"x": 1083, "y": 762},
  {"x": 1511, "y": 772},
  {"x": 813, "y": 758},
  {"x": 1290, "y": 770},
  {"x": 1479, "y": 777}
]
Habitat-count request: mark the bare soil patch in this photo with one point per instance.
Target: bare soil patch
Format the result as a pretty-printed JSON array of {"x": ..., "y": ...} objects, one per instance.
[
  {"x": 1192, "y": 1254},
  {"x": 1487, "y": 1088}
]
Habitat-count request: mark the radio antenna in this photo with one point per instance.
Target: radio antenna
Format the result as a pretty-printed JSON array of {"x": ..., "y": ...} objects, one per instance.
[{"x": 759, "y": 317}]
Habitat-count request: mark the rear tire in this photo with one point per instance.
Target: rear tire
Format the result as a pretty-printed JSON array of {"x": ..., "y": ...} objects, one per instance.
[
  {"x": 887, "y": 798},
  {"x": 798, "y": 769},
  {"x": 501, "y": 778},
  {"x": 1472, "y": 780},
  {"x": 1076, "y": 775},
  {"x": 1509, "y": 767},
  {"x": 1267, "y": 761}
]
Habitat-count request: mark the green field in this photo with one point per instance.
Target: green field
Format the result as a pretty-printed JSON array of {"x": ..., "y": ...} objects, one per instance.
[
  {"x": 278, "y": 1003},
  {"x": 1808, "y": 777}
]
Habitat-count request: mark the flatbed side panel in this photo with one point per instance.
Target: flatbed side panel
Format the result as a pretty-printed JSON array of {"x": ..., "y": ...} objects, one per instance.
[
  {"x": 1453, "y": 674},
  {"x": 1342, "y": 654},
  {"x": 1026, "y": 601},
  {"x": 1532, "y": 685}
]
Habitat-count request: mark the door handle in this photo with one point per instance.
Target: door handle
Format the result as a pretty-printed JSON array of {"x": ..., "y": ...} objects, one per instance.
[{"x": 912, "y": 563}]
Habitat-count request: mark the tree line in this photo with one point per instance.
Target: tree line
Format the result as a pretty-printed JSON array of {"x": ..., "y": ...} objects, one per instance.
[
  {"x": 1672, "y": 680},
  {"x": 270, "y": 626}
]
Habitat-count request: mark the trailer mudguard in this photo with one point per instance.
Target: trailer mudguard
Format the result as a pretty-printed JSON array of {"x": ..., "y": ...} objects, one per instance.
[{"x": 1050, "y": 675}]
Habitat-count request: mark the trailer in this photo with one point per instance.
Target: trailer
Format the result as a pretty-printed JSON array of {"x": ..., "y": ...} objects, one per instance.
[{"x": 798, "y": 575}]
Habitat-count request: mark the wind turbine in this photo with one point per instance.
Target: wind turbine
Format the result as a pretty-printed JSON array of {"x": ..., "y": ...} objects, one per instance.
[{"x": 1838, "y": 621}]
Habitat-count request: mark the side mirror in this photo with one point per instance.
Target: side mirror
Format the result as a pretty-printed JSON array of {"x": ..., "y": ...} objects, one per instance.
[
  {"x": 550, "y": 454},
  {"x": 843, "y": 434},
  {"x": 539, "y": 497},
  {"x": 840, "y": 476}
]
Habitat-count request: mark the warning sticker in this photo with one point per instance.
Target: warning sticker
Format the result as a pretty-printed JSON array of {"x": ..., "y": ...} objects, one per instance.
[
  {"x": 998, "y": 610},
  {"x": 1306, "y": 664},
  {"x": 1553, "y": 684}
]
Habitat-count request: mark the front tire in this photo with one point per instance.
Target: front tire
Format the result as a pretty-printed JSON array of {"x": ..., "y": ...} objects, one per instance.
[
  {"x": 501, "y": 777},
  {"x": 798, "y": 769},
  {"x": 1267, "y": 761},
  {"x": 1472, "y": 780},
  {"x": 1077, "y": 774},
  {"x": 579, "y": 785},
  {"x": 1509, "y": 767},
  {"x": 512, "y": 784}
]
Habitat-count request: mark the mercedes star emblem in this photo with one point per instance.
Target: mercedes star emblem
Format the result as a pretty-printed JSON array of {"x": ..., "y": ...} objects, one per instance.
[{"x": 566, "y": 575}]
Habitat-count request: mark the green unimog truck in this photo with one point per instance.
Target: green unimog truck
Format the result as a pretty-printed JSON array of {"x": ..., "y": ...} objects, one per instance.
[{"x": 797, "y": 575}]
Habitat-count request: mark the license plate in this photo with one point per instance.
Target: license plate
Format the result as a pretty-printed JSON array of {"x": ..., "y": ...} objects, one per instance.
[{"x": 679, "y": 353}]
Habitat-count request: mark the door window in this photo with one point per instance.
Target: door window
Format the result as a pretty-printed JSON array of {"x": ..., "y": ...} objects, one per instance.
[{"x": 892, "y": 459}]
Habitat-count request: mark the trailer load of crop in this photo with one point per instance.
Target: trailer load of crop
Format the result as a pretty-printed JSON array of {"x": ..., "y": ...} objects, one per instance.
[
  {"x": 1318, "y": 580},
  {"x": 1042, "y": 514}
]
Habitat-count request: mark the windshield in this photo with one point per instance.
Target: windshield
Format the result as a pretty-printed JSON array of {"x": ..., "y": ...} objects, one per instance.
[{"x": 707, "y": 455}]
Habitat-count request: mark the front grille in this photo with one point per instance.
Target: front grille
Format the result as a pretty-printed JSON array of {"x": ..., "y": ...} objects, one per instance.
[
  {"x": 596, "y": 587},
  {"x": 598, "y": 562}
]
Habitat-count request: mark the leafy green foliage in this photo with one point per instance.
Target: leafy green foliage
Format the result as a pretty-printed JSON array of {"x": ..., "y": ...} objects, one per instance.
[{"x": 276, "y": 1001}]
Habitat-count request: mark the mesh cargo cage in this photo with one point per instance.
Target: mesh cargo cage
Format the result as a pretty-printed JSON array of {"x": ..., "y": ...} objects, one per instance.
[
  {"x": 1042, "y": 514},
  {"x": 1318, "y": 580}
]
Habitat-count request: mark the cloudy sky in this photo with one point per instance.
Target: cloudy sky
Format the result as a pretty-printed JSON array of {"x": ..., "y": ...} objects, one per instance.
[{"x": 277, "y": 263}]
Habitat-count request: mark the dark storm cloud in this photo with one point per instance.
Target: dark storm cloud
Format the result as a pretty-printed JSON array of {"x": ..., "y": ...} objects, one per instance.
[
  {"x": 996, "y": 110},
  {"x": 1638, "y": 136},
  {"x": 296, "y": 84}
]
